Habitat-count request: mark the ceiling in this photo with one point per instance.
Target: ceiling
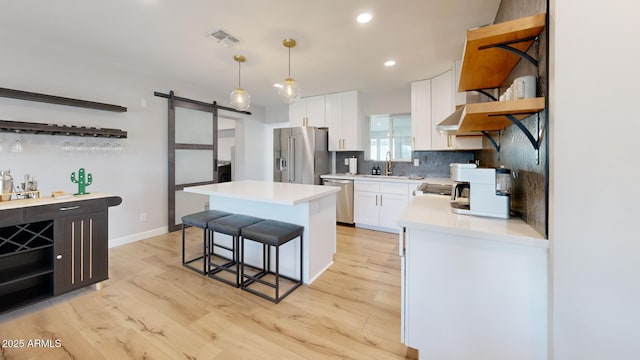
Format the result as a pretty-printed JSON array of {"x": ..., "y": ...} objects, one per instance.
[{"x": 334, "y": 52}]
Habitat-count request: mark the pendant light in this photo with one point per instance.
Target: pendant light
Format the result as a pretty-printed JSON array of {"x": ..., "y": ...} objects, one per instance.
[
  {"x": 240, "y": 98},
  {"x": 289, "y": 92}
]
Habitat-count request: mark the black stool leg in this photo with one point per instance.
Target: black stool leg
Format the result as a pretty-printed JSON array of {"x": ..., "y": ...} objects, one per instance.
[
  {"x": 236, "y": 258},
  {"x": 204, "y": 256},
  {"x": 301, "y": 253},
  {"x": 266, "y": 259},
  {"x": 183, "y": 257},
  {"x": 277, "y": 274},
  {"x": 205, "y": 252},
  {"x": 242, "y": 261},
  {"x": 210, "y": 242}
]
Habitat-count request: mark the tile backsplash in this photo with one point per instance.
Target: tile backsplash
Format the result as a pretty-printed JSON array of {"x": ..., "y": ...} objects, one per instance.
[
  {"x": 529, "y": 193},
  {"x": 432, "y": 163}
]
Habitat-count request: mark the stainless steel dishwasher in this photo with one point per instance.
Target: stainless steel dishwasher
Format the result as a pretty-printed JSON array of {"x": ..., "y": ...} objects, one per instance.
[{"x": 344, "y": 199}]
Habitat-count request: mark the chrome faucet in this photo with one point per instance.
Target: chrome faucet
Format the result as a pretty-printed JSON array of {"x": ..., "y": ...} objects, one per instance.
[{"x": 387, "y": 168}]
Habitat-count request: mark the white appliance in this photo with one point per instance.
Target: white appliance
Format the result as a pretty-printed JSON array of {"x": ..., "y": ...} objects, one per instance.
[{"x": 488, "y": 191}]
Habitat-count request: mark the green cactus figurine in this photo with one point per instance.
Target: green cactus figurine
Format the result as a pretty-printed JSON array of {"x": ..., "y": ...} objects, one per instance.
[{"x": 81, "y": 181}]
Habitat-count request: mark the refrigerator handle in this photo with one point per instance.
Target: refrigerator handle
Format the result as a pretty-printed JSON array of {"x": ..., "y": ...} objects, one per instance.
[
  {"x": 289, "y": 159},
  {"x": 293, "y": 158}
]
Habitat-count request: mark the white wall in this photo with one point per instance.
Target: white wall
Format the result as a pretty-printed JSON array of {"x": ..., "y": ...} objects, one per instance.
[
  {"x": 387, "y": 102},
  {"x": 138, "y": 173},
  {"x": 250, "y": 145},
  {"x": 595, "y": 242},
  {"x": 276, "y": 113}
]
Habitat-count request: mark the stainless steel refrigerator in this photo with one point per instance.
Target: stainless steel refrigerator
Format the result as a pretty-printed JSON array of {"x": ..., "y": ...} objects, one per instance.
[{"x": 300, "y": 155}]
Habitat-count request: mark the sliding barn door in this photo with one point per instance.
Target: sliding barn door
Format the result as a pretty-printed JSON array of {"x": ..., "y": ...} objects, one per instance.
[{"x": 193, "y": 155}]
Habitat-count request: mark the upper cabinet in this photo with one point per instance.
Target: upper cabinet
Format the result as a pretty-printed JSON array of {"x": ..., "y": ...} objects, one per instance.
[
  {"x": 340, "y": 112},
  {"x": 431, "y": 102},
  {"x": 441, "y": 107},
  {"x": 421, "y": 115},
  {"x": 308, "y": 111},
  {"x": 344, "y": 120},
  {"x": 443, "y": 98}
]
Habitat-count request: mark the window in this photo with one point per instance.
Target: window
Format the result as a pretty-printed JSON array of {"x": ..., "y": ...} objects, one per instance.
[{"x": 390, "y": 134}]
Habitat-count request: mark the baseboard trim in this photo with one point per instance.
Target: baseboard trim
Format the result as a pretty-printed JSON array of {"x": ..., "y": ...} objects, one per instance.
[
  {"x": 378, "y": 228},
  {"x": 137, "y": 237},
  {"x": 319, "y": 273}
]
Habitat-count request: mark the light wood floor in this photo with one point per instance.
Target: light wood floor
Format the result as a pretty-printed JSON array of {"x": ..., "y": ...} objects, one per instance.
[{"x": 153, "y": 308}]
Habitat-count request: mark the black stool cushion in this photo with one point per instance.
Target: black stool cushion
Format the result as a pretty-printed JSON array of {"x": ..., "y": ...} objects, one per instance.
[
  {"x": 201, "y": 219},
  {"x": 232, "y": 224},
  {"x": 272, "y": 232}
]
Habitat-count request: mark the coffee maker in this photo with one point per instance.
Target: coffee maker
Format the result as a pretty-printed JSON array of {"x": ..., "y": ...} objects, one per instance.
[{"x": 489, "y": 190}]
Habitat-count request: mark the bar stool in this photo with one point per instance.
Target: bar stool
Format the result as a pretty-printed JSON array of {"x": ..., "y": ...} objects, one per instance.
[
  {"x": 200, "y": 220},
  {"x": 270, "y": 233},
  {"x": 230, "y": 225}
]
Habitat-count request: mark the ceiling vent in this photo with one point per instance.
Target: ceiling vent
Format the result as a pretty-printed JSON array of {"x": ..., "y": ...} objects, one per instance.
[{"x": 224, "y": 38}]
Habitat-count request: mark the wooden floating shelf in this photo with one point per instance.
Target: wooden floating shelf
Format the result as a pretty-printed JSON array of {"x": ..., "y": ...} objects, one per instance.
[
  {"x": 59, "y": 100},
  {"x": 53, "y": 129},
  {"x": 484, "y": 116},
  {"x": 486, "y": 67}
]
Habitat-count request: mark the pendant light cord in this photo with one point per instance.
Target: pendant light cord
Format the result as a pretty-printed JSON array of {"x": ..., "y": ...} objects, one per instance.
[
  {"x": 289, "y": 61},
  {"x": 239, "y": 74}
]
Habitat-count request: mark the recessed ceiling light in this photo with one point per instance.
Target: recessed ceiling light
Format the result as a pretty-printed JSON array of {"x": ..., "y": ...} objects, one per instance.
[
  {"x": 276, "y": 85},
  {"x": 389, "y": 63},
  {"x": 364, "y": 18}
]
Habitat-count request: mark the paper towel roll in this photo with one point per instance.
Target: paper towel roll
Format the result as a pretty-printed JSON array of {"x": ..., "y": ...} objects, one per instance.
[{"x": 353, "y": 166}]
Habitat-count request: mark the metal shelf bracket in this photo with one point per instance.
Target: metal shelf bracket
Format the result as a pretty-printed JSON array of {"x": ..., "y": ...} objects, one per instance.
[
  {"x": 495, "y": 144},
  {"x": 534, "y": 142},
  {"x": 506, "y": 46}
]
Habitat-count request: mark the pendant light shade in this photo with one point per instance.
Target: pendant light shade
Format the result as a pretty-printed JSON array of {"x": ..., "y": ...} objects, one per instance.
[
  {"x": 240, "y": 98},
  {"x": 289, "y": 92}
]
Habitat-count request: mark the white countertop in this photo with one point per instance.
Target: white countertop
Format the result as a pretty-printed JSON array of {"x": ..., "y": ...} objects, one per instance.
[
  {"x": 400, "y": 179},
  {"x": 263, "y": 191},
  {"x": 433, "y": 213},
  {"x": 15, "y": 204}
]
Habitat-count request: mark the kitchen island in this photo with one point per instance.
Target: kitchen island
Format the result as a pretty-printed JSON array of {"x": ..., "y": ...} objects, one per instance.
[
  {"x": 472, "y": 287},
  {"x": 311, "y": 206}
]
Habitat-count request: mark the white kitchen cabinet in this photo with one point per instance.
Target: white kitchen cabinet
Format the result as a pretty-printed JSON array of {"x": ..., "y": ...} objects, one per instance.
[
  {"x": 441, "y": 107},
  {"x": 378, "y": 204},
  {"x": 471, "y": 298},
  {"x": 344, "y": 120},
  {"x": 309, "y": 111},
  {"x": 421, "y": 115},
  {"x": 365, "y": 208},
  {"x": 431, "y": 102},
  {"x": 443, "y": 96},
  {"x": 391, "y": 205}
]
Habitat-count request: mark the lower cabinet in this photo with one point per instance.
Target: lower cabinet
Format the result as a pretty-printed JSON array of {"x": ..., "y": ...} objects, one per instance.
[
  {"x": 378, "y": 204},
  {"x": 26, "y": 263},
  {"x": 50, "y": 249},
  {"x": 81, "y": 251},
  {"x": 472, "y": 298}
]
